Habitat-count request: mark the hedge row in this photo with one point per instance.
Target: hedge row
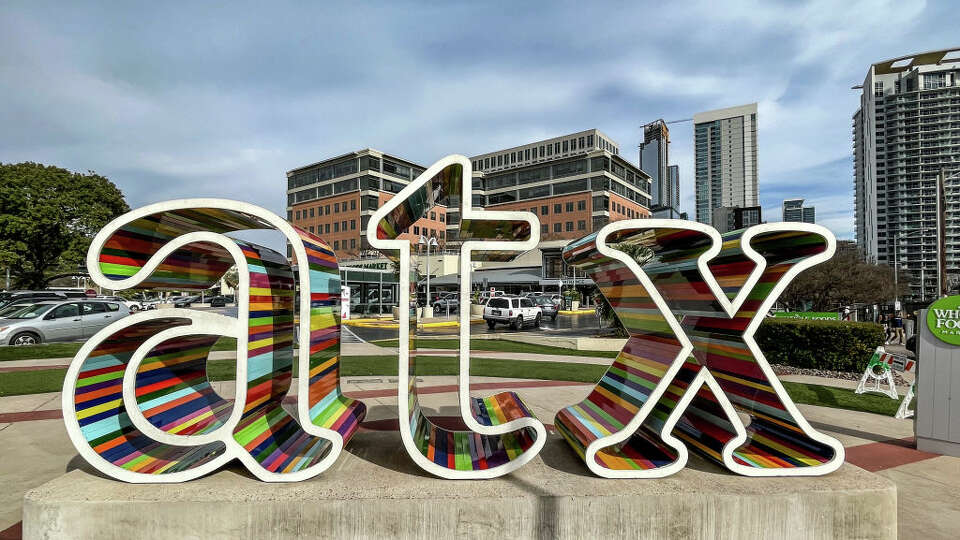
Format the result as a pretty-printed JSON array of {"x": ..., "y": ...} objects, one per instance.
[{"x": 834, "y": 345}]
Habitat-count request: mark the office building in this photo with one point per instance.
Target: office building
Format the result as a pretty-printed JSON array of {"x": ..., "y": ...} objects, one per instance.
[
  {"x": 732, "y": 218},
  {"x": 725, "y": 158},
  {"x": 574, "y": 183},
  {"x": 794, "y": 210},
  {"x": 906, "y": 131},
  {"x": 335, "y": 198}
]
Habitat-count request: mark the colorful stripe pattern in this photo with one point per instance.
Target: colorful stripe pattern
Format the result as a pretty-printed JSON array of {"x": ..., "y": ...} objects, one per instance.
[
  {"x": 774, "y": 437},
  {"x": 103, "y": 420},
  {"x": 451, "y": 449},
  {"x": 172, "y": 390}
]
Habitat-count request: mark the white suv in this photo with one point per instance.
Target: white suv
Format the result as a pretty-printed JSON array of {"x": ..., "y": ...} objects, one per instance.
[{"x": 517, "y": 312}]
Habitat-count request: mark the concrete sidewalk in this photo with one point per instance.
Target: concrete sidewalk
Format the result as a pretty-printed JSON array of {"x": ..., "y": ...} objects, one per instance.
[{"x": 36, "y": 449}]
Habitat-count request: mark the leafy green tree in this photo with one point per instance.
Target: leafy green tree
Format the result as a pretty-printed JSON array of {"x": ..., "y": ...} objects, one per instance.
[
  {"x": 844, "y": 280},
  {"x": 640, "y": 253},
  {"x": 48, "y": 216}
]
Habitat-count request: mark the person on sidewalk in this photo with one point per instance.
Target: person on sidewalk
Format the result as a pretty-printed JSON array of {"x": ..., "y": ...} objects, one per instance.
[{"x": 898, "y": 328}]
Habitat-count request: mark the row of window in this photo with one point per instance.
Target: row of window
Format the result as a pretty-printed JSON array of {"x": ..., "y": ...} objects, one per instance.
[
  {"x": 325, "y": 210},
  {"x": 542, "y": 151},
  {"x": 439, "y": 234},
  {"x": 560, "y": 227},
  {"x": 558, "y": 208},
  {"x": 324, "y": 228}
]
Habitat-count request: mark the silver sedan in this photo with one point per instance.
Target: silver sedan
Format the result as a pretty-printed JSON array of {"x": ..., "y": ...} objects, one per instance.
[{"x": 58, "y": 321}]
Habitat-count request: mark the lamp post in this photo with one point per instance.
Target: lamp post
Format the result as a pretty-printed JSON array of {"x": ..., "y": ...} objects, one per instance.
[{"x": 429, "y": 242}]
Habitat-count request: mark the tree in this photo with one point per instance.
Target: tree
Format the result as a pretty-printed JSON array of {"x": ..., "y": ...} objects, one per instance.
[
  {"x": 639, "y": 253},
  {"x": 843, "y": 280},
  {"x": 232, "y": 277},
  {"x": 48, "y": 216}
]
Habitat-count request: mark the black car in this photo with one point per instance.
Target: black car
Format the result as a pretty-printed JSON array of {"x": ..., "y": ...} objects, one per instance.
[
  {"x": 220, "y": 301},
  {"x": 12, "y": 297},
  {"x": 185, "y": 301}
]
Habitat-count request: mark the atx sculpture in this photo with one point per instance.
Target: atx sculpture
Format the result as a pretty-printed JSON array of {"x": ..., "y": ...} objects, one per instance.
[{"x": 138, "y": 406}]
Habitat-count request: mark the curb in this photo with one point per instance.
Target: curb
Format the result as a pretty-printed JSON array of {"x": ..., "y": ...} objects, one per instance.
[{"x": 577, "y": 312}]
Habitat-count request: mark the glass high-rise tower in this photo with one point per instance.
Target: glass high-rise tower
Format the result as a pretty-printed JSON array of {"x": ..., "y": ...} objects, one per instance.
[{"x": 725, "y": 159}]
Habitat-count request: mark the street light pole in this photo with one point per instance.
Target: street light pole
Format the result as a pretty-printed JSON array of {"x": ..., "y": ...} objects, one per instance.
[{"x": 431, "y": 242}]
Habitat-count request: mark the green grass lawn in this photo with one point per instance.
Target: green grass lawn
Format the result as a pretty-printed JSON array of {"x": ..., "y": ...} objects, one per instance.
[
  {"x": 67, "y": 350},
  {"x": 497, "y": 345},
  {"x": 51, "y": 380}
]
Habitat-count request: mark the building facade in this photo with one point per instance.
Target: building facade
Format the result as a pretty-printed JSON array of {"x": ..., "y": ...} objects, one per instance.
[
  {"x": 574, "y": 183},
  {"x": 725, "y": 159},
  {"x": 795, "y": 211},
  {"x": 335, "y": 198},
  {"x": 732, "y": 218},
  {"x": 905, "y": 134},
  {"x": 654, "y": 160}
]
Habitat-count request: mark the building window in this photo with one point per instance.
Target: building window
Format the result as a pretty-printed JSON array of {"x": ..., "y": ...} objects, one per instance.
[
  {"x": 353, "y": 243},
  {"x": 557, "y": 208},
  {"x": 311, "y": 228},
  {"x": 353, "y": 204},
  {"x": 549, "y": 149},
  {"x": 500, "y": 160},
  {"x": 343, "y": 225},
  {"x": 289, "y": 215},
  {"x": 353, "y": 224},
  {"x": 581, "y": 205},
  {"x": 326, "y": 209},
  {"x": 569, "y": 207},
  {"x": 544, "y": 228},
  {"x": 533, "y": 210},
  {"x": 326, "y": 228},
  {"x": 442, "y": 218},
  {"x": 544, "y": 210},
  {"x": 486, "y": 163},
  {"x": 569, "y": 226},
  {"x": 581, "y": 143},
  {"x": 526, "y": 154},
  {"x": 542, "y": 150},
  {"x": 311, "y": 212},
  {"x": 336, "y": 226},
  {"x": 590, "y": 140},
  {"x": 416, "y": 229},
  {"x": 558, "y": 227},
  {"x": 336, "y": 244},
  {"x": 581, "y": 225},
  {"x": 298, "y": 215},
  {"x": 558, "y": 147},
  {"x": 433, "y": 216}
]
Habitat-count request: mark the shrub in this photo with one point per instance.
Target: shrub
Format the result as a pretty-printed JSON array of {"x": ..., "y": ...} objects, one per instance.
[{"x": 834, "y": 345}]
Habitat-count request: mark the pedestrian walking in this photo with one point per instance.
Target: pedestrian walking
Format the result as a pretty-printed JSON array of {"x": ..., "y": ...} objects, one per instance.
[{"x": 898, "y": 328}]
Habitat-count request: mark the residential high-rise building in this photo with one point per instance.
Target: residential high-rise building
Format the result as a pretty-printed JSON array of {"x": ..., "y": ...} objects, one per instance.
[
  {"x": 906, "y": 131},
  {"x": 732, "y": 218},
  {"x": 725, "y": 158},
  {"x": 664, "y": 178},
  {"x": 574, "y": 183},
  {"x": 794, "y": 210}
]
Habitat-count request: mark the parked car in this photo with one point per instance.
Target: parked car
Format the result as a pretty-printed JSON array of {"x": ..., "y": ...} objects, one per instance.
[
  {"x": 547, "y": 306},
  {"x": 133, "y": 305},
  {"x": 185, "y": 301},
  {"x": 441, "y": 305},
  {"x": 45, "y": 321},
  {"x": 10, "y": 297},
  {"x": 221, "y": 301},
  {"x": 513, "y": 310},
  {"x": 150, "y": 303}
]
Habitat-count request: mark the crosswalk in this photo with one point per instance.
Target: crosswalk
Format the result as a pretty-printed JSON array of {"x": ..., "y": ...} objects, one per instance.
[{"x": 347, "y": 336}]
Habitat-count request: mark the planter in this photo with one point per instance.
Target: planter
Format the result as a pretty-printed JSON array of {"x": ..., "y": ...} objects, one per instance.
[
  {"x": 574, "y": 305},
  {"x": 476, "y": 310}
]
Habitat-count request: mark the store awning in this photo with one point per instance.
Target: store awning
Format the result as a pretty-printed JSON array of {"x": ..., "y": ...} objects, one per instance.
[{"x": 494, "y": 276}]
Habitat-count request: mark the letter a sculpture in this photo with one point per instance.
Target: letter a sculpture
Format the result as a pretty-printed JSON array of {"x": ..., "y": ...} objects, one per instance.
[
  {"x": 139, "y": 407},
  {"x": 136, "y": 399}
]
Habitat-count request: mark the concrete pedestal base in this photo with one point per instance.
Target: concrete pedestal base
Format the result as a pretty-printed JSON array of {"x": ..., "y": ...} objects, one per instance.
[{"x": 374, "y": 491}]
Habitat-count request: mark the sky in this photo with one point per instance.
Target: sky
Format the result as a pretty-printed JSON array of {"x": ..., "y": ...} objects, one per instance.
[{"x": 220, "y": 99}]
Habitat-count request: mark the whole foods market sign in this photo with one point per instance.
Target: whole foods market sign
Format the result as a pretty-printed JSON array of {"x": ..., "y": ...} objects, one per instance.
[
  {"x": 808, "y": 315},
  {"x": 943, "y": 319}
]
